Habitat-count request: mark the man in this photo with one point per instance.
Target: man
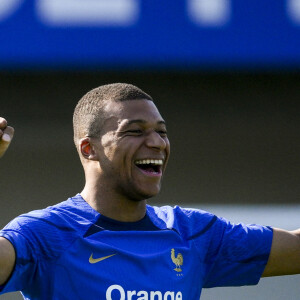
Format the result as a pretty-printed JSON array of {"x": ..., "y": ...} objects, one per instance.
[{"x": 107, "y": 243}]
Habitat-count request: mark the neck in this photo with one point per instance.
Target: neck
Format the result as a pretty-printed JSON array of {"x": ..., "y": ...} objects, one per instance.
[{"x": 113, "y": 206}]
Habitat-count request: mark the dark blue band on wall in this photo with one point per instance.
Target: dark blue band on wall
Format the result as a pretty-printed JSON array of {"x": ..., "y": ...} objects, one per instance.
[{"x": 134, "y": 34}]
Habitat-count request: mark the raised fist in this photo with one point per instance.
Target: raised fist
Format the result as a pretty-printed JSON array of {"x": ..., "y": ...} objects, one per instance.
[{"x": 6, "y": 135}]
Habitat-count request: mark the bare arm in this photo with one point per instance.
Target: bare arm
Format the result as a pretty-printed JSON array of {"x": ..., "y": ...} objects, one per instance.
[
  {"x": 7, "y": 259},
  {"x": 285, "y": 254}
]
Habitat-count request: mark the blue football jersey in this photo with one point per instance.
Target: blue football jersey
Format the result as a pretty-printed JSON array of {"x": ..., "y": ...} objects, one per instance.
[{"x": 70, "y": 251}]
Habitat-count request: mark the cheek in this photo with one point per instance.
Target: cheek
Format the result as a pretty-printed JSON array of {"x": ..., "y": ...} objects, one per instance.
[
  {"x": 108, "y": 139},
  {"x": 119, "y": 157},
  {"x": 167, "y": 147},
  {"x": 108, "y": 145}
]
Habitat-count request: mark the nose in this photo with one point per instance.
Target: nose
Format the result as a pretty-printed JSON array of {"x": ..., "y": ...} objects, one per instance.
[{"x": 156, "y": 141}]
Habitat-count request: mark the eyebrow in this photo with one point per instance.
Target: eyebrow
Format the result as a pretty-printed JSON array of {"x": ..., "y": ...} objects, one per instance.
[{"x": 140, "y": 121}]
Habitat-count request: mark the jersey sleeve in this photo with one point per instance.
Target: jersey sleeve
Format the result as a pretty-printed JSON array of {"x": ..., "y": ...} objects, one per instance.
[
  {"x": 237, "y": 253},
  {"x": 37, "y": 242},
  {"x": 26, "y": 258},
  {"x": 228, "y": 254}
]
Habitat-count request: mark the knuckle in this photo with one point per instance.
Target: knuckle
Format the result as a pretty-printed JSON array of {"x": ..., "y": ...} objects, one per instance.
[
  {"x": 3, "y": 122},
  {"x": 9, "y": 130}
]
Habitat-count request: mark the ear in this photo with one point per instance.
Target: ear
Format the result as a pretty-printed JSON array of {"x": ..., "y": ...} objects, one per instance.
[{"x": 87, "y": 149}]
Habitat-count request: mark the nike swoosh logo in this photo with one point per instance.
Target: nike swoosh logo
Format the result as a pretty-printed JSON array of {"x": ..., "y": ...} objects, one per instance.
[{"x": 96, "y": 260}]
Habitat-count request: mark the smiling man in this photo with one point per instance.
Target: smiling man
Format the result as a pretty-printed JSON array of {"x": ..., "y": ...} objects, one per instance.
[
  {"x": 125, "y": 157},
  {"x": 107, "y": 243}
]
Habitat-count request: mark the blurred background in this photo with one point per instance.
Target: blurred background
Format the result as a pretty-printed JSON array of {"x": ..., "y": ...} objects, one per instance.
[{"x": 225, "y": 75}]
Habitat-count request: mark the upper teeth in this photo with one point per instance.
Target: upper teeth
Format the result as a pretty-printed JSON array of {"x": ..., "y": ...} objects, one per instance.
[{"x": 149, "y": 161}]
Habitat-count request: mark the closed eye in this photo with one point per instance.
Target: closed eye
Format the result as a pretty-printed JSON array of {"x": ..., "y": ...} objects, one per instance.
[
  {"x": 162, "y": 132},
  {"x": 136, "y": 131}
]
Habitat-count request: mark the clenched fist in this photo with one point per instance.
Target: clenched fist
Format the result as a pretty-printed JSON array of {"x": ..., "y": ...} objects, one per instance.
[{"x": 6, "y": 135}]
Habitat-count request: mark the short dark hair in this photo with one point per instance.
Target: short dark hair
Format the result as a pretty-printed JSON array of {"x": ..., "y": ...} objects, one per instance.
[{"x": 89, "y": 111}]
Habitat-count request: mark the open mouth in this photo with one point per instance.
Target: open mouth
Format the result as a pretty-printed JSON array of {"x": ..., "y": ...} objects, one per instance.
[{"x": 150, "y": 166}]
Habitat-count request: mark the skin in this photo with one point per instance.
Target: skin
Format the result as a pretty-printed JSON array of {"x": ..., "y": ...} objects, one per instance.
[
  {"x": 6, "y": 135},
  {"x": 116, "y": 188}
]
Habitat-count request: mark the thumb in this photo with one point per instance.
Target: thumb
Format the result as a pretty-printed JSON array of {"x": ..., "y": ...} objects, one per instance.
[{"x": 5, "y": 140}]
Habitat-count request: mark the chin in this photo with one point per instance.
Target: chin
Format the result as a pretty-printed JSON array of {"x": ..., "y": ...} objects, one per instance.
[
  {"x": 140, "y": 193},
  {"x": 143, "y": 195}
]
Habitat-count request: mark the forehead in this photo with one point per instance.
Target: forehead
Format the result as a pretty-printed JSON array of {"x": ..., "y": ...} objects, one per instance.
[{"x": 121, "y": 113}]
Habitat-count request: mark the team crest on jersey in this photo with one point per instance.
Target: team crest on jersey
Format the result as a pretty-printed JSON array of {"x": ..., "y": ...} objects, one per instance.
[{"x": 177, "y": 260}]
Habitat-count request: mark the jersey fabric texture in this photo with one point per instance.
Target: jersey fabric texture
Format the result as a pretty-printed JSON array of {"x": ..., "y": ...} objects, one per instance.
[{"x": 70, "y": 251}]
